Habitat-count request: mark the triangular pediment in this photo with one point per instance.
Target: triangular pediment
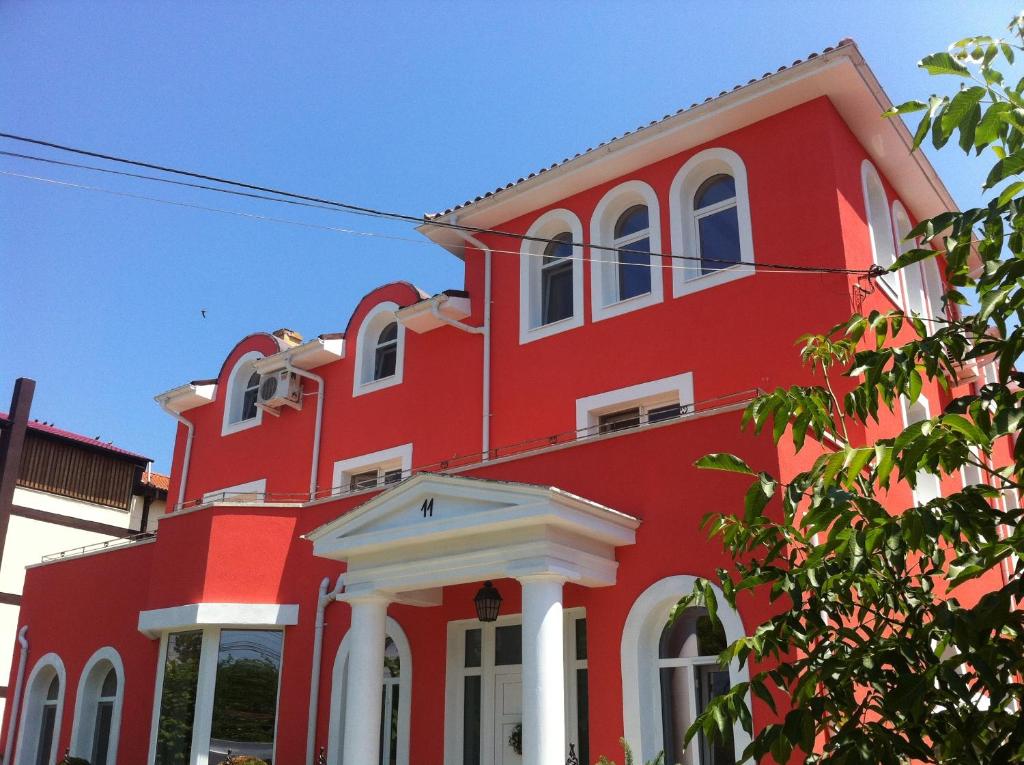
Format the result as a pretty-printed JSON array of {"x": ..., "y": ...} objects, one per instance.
[{"x": 431, "y": 506}]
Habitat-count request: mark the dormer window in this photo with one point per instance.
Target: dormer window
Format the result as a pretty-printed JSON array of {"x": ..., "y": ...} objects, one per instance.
[
  {"x": 551, "y": 276},
  {"x": 626, "y": 228},
  {"x": 240, "y": 409},
  {"x": 380, "y": 350},
  {"x": 386, "y": 354}
]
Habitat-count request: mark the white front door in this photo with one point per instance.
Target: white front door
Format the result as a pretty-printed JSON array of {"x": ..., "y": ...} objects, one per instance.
[
  {"x": 508, "y": 713},
  {"x": 484, "y": 702}
]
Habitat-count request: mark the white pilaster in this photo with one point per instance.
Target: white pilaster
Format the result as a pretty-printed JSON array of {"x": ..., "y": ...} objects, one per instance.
[
  {"x": 365, "y": 673},
  {"x": 543, "y": 671}
]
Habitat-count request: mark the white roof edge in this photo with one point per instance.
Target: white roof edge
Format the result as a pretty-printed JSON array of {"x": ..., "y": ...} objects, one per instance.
[
  {"x": 187, "y": 396},
  {"x": 317, "y": 352},
  {"x": 154, "y": 622},
  {"x": 487, "y": 211}
]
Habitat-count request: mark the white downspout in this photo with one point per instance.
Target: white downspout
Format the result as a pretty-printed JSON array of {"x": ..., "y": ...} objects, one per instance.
[
  {"x": 486, "y": 418},
  {"x": 322, "y": 601},
  {"x": 313, "y": 472},
  {"x": 12, "y": 724},
  {"x": 188, "y": 449}
]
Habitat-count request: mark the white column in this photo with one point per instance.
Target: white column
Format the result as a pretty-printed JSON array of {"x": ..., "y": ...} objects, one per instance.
[
  {"x": 543, "y": 671},
  {"x": 365, "y": 681}
]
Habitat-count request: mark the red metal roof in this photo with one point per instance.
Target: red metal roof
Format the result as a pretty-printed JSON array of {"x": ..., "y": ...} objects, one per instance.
[{"x": 51, "y": 430}]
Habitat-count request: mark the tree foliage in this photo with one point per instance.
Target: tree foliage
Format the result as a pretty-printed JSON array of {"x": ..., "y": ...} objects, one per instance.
[{"x": 876, "y": 652}]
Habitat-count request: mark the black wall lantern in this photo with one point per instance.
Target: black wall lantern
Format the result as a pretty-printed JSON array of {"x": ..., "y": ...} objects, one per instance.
[{"x": 488, "y": 603}]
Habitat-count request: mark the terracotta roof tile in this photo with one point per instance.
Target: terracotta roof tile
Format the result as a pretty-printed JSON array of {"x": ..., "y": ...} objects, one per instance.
[{"x": 49, "y": 429}]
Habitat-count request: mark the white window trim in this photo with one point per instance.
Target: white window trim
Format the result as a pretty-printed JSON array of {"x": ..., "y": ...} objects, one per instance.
[
  {"x": 394, "y": 631},
  {"x": 927, "y": 272},
  {"x": 84, "y": 725},
  {"x": 397, "y": 457},
  {"x": 641, "y": 685},
  {"x": 548, "y": 225},
  {"x": 228, "y": 427},
  {"x": 686, "y": 274},
  {"x": 603, "y": 263},
  {"x": 28, "y": 735},
  {"x": 366, "y": 348},
  {"x": 905, "y": 410},
  {"x": 654, "y": 393},
  {"x": 205, "y": 688},
  {"x": 869, "y": 174},
  {"x": 258, "y": 487}
]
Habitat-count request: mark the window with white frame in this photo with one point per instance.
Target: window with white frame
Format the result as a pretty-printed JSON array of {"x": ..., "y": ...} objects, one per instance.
[
  {"x": 646, "y": 403},
  {"x": 710, "y": 216},
  {"x": 369, "y": 471},
  {"x": 690, "y": 676},
  {"x": 929, "y": 486},
  {"x": 880, "y": 230},
  {"x": 670, "y": 672},
  {"x": 396, "y": 703},
  {"x": 98, "y": 708},
  {"x": 380, "y": 350},
  {"x": 551, "y": 276},
  {"x": 922, "y": 281},
  {"x": 625, "y": 275},
  {"x": 218, "y": 690},
  {"x": 41, "y": 716},
  {"x": 240, "y": 410}
]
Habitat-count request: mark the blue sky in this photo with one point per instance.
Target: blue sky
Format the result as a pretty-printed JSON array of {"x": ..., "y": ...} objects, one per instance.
[{"x": 405, "y": 106}]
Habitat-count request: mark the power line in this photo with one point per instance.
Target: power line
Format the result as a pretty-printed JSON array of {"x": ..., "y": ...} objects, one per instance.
[
  {"x": 404, "y": 217},
  {"x": 342, "y": 229}
]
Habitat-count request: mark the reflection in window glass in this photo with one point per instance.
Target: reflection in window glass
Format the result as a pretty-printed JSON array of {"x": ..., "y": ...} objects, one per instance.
[
  {"x": 556, "y": 280},
  {"x": 386, "y": 356},
  {"x": 178, "y": 698},
  {"x": 245, "y": 699},
  {"x": 473, "y": 650},
  {"x": 389, "y": 704},
  {"x": 718, "y": 228},
  {"x": 634, "y": 267},
  {"x": 252, "y": 388}
]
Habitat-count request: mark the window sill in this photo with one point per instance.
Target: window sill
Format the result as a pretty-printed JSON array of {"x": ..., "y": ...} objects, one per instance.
[
  {"x": 376, "y": 385},
  {"x": 238, "y": 427},
  {"x": 529, "y": 334},
  {"x": 634, "y": 303},
  {"x": 683, "y": 286}
]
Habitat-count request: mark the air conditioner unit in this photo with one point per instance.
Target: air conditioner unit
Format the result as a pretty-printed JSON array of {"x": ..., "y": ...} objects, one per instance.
[{"x": 279, "y": 388}]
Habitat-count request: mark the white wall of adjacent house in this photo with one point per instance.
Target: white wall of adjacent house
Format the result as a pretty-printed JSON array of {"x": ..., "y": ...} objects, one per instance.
[{"x": 28, "y": 540}]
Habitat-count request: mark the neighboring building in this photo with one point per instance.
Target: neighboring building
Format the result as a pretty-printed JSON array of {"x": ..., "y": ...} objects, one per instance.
[
  {"x": 529, "y": 437},
  {"x": 70, "y": 492}
]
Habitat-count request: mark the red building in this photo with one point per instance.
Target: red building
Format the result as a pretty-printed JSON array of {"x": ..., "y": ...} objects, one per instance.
[{"x": 535, "y": 429}]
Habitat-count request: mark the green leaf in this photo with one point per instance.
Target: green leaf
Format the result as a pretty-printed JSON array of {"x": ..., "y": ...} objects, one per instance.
[
  {"x": 727, "y": 462},
  {"x": 942, "y": 63}
]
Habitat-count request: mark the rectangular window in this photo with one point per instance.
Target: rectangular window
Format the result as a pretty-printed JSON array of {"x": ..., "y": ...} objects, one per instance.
[
  {"x": 365, "y": 480},
  {"x": 627, "y": 418},
  {"x": 634, "y": 269},
  {"x": 178, "y": 698},
  {"x": 101, "y": 733},
  {"x": 719, "y": 235},
  {"x": 508, "y": 645},
  {"x": 556, "y": 291},
  {"x": 245, "y": 699},
  {"x": 471, "y": 715}
]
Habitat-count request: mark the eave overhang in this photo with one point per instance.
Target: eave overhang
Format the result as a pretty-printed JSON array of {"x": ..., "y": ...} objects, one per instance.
[
  {"x": 842, "y": 75},
  {"x": 188, "y": 396}
]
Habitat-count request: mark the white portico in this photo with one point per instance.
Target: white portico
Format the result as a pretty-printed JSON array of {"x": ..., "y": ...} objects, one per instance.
[{"x": 430, "y": 531}]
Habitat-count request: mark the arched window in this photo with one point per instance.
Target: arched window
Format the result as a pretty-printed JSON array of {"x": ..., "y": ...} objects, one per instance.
[
  {"x": 240, "y": 410},
  {"x": 387, "y": 352},
  {"x": 97, "y": 722},
  {"x": 670, "y": 672},
  {"x": 716, "y": 223},
  {"x": 380, "y": 350},
  {"x": 396, "y": 687},
  {"x": 627, "y": 276},
  {"x": 710, "y": 216},
  {"x": 883, "y": 251},
  {"x": 690, "y": 677},
  {"x": 551, "y": 276},
  {"x": 921, "y": 280},
  {"x": 44, "y": 703},
  {"x": 556, "y": 279}
]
